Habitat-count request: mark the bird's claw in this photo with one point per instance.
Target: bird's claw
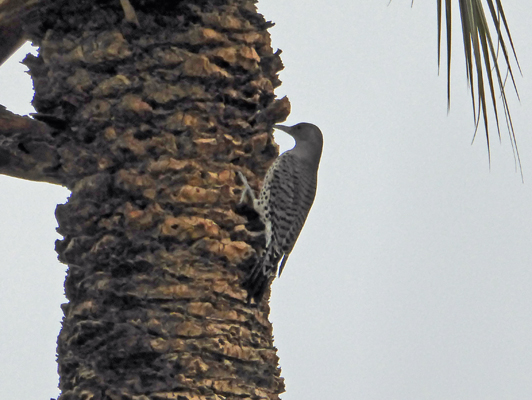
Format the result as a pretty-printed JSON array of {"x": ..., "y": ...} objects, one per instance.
[{"x": 247, "y": 189}]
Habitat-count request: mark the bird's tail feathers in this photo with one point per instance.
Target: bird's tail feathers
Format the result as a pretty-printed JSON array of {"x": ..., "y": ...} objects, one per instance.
[{"x": 261, "y": 274}]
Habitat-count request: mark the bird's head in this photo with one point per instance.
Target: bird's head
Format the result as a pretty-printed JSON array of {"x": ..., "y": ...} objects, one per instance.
[{"x": 304, "y": 133}]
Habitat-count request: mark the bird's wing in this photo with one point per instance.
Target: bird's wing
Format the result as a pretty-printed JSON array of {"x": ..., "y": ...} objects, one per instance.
[
  {"x": 291, "y": 196},
  {"x": 283, "y": 204}
]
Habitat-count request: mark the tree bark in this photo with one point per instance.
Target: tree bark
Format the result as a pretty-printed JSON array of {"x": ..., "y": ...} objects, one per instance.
[{"x": 155, "y": 120}]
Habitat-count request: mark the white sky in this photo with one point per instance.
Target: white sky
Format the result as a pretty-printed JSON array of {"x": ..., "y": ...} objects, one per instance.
[{"x": 412, "y": 279}]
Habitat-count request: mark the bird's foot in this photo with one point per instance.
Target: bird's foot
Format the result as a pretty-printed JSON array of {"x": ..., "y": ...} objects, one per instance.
[{"x": 247, "y": 189}]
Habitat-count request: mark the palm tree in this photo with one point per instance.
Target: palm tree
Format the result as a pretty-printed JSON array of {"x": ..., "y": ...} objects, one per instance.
[{"x": 146, "y": 113}]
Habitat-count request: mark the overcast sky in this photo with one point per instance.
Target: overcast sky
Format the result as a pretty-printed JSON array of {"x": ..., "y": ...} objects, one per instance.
[{"x": 412, "y": 279}]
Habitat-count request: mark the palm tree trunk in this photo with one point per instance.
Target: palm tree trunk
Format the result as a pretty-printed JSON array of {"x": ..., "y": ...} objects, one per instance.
[{"x": 151, "y": 122}]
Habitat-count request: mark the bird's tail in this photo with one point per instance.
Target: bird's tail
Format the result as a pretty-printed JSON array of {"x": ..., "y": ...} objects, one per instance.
[{"x": 261, "y": 274}]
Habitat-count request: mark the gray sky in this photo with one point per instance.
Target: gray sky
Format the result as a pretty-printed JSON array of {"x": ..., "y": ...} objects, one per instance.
[{"x": 412, "y": 279}]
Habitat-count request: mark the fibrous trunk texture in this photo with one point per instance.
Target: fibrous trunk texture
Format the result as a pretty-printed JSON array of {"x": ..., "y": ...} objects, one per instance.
[{"x": 151, "y": 123}]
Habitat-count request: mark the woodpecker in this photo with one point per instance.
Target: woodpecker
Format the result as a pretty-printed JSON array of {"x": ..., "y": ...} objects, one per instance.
[{"x": 284, "y": 202}]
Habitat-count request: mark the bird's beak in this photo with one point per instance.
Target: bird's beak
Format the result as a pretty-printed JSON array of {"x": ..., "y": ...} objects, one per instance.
[{"x": 283, "y": 128}]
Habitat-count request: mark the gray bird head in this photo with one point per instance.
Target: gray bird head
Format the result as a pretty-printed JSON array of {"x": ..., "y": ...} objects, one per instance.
[{"x": 309, "y": 140}]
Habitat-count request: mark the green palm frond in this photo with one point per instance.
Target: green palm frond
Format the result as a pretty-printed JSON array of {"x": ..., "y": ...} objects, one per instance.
[{"x": 482, "y": 59}]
